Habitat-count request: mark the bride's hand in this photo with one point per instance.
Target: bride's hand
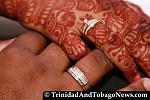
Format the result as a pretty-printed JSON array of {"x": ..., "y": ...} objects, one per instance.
[{"x": 118, "y": 31}]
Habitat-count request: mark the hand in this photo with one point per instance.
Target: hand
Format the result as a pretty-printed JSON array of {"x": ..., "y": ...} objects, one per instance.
[
  {"x": 29, "y": 66},
  {"x": 63, "y": 21}
]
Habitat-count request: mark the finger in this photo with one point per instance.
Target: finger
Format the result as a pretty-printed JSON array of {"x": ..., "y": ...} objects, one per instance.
[
  {"x": 71, "y": 43},
  {"x": 55, "y": 56},
  {"x": 144, "y": 23},
  {"x": 144, "y": 31},
  {"x": 95, "y": 65},
  {"x": 121, "y": 9},
  {"x": 140, "y": 50},
  {"x": 31, "y": 41},
  {"x": 69, "y": 40},
  {"x": 109, "y": 42},
  {"x": 137, "y": 32},
  {"x": 140, "y": 85},
  {"x": 105, "y": 34},
  {"x": 138, "y": 10},
  {"x": 74, "y": 46},
  {"x": 58, "y": 28},
  {"x": 5, "y": 43}
]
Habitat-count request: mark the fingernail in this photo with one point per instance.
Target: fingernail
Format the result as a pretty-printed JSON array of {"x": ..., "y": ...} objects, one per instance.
[{"x": 146, "y": 84}]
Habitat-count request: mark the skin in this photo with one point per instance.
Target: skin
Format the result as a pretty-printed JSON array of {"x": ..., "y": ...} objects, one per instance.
[
  {"x": 22, "y": 78},
  {"x": 45, "y": 68},
  {"x": 62, "y": 22},
  {"x": 137, "y": 35}
]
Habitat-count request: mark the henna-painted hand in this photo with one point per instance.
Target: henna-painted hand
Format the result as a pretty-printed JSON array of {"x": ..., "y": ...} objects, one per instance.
[
  {"x": 124, "y": 34},
  {"x": 136, "y": 34}
]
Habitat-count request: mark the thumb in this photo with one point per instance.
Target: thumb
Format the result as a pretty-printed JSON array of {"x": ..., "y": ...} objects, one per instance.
[{"x": 140, "y": 85}]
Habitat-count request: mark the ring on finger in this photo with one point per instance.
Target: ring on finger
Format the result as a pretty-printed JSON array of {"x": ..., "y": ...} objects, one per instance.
[
  {"x": 89, "y": 24},
  {"x": 79, "y": 76}
]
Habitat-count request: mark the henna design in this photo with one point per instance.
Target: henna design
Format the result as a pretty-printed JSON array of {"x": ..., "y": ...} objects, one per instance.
[
  {"x": 144, "y": 29},
  {"x": 49, "y": 23},
  {"x": 74, "y": 46},
  {"x": 130, "y": 16},
  {"x": 138, "y": 36},
  {"x": 131, "y": 38},
  {"x": 9, "y": 7},
  {"x": 116, "y": 45},
  {"x": 39, "y": 15},
  {"x": 56, "y": 17},
  {"x": 121, "y": 9},
  {"x": 99, "y": 34},
  {"x": 59, "y": 33},
  {"x": 118, "y": 49},
  {"x": 116, "y": 24},
  {"x": 85, "y": 5},
  {"x": 141, "y": 52},
  {"x": 109, "y": 42},
  {"x": 67, "y": 18},
  {"x": 29, "y": 12},
  {"x": 130, "y": 72},
  {"x": 57, "y": 29},
  {"x": 66, "y": 5},
  {"x": 69, "y": 41},
  {"x": 118, "y": 6},
  {"x": 102, "y": 5},
  {"x": 82, "y": 24}
]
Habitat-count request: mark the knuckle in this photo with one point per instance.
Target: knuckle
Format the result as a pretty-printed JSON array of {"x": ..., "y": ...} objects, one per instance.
[
  {"x": 31, "y": 34},
  {"x": 55, "y": 47},
  {"x": 34, "y": 34},
  {"x": 13, "y": 52},
  {"x": 102, "y": 60}
]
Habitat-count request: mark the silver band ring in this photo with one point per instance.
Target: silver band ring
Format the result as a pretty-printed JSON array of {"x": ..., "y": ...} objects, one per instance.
[
  {"x": 89, "y": 24},
  {"x": 79, "y": 76}
]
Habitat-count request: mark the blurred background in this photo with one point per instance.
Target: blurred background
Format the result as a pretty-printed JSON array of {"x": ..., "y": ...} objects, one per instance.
[
  {"x": 112, "y": 81},
  {"x": 144, "y": 4}
]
